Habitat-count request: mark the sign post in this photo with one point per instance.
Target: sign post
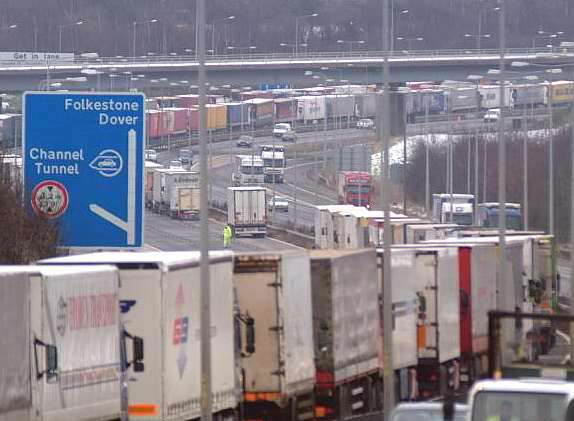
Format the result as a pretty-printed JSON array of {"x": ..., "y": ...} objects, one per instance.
[{"x": 83, "y": 165}]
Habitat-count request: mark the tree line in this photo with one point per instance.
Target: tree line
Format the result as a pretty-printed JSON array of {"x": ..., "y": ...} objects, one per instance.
[{"x": 168, "y": 26}]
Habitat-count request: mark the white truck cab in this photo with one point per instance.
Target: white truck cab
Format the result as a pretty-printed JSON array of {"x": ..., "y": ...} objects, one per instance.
[
  {"x": 462, "y": 213},
  {"x": 526, "y": 399}
]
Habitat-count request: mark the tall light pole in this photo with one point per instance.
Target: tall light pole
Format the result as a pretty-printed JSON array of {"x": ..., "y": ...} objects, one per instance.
[
  {"x": 482, "y": 11},
  {"x": 313, "y": 15},
  {"x": 410, "y": 41},
  {"x": 134, "y": 25},
  {"x": 205, "y": 315},
  {"x": 384, "y": 131},
  {"x": 545, "y": 35},
  {"x": 80, "y": 22},
  {"x": 551, "y": 150},
  {"x": 402, "y": 12},
  {"x": 213, "y": 23},
  {"x": 501, "y": 165},
  {"x": 478, "y": 37},
  {"x": 350, "y": 43},
  {"x": 292, "y": 46}
]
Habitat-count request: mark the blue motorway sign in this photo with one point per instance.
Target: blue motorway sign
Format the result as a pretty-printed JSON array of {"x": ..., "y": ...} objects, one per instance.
[
  {"x": 271, "y": 86},
  {"x": 84, "y": 164}
]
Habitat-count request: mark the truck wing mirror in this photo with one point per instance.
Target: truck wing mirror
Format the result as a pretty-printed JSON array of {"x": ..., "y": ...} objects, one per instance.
[
  {"x": 250, "y": 335},
  {"x": 137, "y": 352},
  {"x": 51, "y": 360}
]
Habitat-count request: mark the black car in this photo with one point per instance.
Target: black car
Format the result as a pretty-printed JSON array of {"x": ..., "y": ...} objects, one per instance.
[{"x": 244, "y": 142}]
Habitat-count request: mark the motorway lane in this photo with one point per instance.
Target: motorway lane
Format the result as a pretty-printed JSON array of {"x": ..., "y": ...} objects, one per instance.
[{"x": 167, "y": 234}]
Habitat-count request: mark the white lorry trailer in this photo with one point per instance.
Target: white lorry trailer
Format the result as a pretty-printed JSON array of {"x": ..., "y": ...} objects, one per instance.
[
  {"x": 61, "y": 357},
  {"x": 165, "y": 181},
  {"x": 184, "y": 203},
  {"x": 246, "y": 210},
  {"x": 160, "y": 302},
  {"x": 278, "y": 377},
  {"x": 346, "y": 328}
]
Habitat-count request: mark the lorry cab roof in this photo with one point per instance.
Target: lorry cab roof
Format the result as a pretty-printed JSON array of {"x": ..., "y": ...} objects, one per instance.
[
  {"x": 455, "y": 195},
  {"x": 497, "y": 205},
  {"x": 151, "y": 260},
  {"x": 458, "y": 207}
]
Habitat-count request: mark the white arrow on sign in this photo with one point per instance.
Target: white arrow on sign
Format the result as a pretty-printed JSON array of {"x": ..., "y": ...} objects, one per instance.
[{"x": 129, "y": 225}]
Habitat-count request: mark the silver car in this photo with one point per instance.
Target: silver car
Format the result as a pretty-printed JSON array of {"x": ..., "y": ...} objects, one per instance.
[{"x": 426, "y": 411}]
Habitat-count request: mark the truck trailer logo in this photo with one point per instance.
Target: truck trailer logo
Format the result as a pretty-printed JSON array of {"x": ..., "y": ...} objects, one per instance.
[
  {"x": 180, "y": 330},
  {"x": 61, "y": 316}
]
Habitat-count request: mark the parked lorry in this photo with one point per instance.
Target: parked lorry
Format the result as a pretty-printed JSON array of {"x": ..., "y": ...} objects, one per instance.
[
  {"x": 279, "y": 376},
  {"x": 165, "y": 181},
  {"x": 274, "y": 163},
  {"x": 184, "y": 203},
  {"x": 355, "y": 188},
  {"x": 246, "y": 211},
  {"x": 425, "y": 232},
  {"x": 150, "y": 167},
  {"x": 405, "y": 302},
  {"x": 63, "y": 356},
  {"x": 249, "y": 170},
  {"x": 436, "y": 285},
  {"x": 160, "y": 300},
  {"x": 323, "y": 224},
  {"x": 462, "y": 209},
  {"x": 488, "y": 215},
  {"x": 346, "y": 326}
]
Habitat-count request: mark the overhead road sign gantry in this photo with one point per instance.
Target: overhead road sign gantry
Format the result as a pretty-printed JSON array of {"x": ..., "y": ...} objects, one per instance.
[{"x": 83, "y": 165}]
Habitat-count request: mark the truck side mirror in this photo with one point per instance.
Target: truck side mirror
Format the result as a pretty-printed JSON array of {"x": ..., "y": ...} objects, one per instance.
[
  {"x": 250, "y": 335},
  {"x": 51, "y": 361},
  {"x": 138, "y": 345}
]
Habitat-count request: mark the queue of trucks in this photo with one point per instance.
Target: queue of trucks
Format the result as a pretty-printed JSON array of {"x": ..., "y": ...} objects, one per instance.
[{"x": 296, "y": 335}]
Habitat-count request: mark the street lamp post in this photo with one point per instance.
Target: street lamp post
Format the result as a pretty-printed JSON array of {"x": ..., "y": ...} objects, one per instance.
[
  {"x": 402, "y": 12},
  {"x": 410, "y": 41},
  {"x": 341, "y": 41},
  {"x": 297, "y": 29},
  {"x": 292, "y": 46},
  {"x": 213, "y": 23},
  {"x": 80, "y": 22},
  {"x": 482, "y": 11},
  {"x": 545, "y": 35},
  {"x": 134, "y": 24},
  {"x": 478, "y": 37}
]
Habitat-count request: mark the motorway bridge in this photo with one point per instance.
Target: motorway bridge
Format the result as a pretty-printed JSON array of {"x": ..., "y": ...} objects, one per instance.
[{"x": 253, "y": 69}]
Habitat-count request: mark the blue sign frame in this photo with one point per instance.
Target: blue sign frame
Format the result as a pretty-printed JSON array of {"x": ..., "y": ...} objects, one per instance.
[{"x": 83, "y": 160}]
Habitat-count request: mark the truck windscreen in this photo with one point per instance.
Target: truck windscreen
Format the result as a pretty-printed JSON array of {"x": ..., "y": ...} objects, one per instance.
[{"x": 518, "y": 406}]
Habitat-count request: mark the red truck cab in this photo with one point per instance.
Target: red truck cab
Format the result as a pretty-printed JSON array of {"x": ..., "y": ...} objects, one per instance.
[{"x": 355, "y": 188}]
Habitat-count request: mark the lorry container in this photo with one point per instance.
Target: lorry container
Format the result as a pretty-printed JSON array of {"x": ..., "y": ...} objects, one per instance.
[
  {"x": 166, "y": 101},
  {"x": 436, "y": 282},
  {"x": 527, "y": 96},
  {"x": 366, "y": 106},
  {"x": 490, "y": 96},
  {"x": 405, "y": 304},
  {"x": 461, "y": 99},
  {"x": 246, "y": 210},
  {"x": 355, "y": 188},
  {"x": 238, "y": 114},
  {"x": 422, "y": 232},
  {"x": 349, "y": 89},
  {"x": 377, "y": 229},
  {"x": 164, "y": 182},
  {"x": 180, "y": 119},
  {"x": 10, "y": 130},
  {"x": 160, "y": 298},
  {"x": 262, "y": 111},
  {"x": 561, "y": 92},
  {"x": 150, "y": 167},
  {"x": 339, "y": 106},
  {"x": 185, "y": 202},
  {"x": 400, "y": 228},
  {"x": 323, "y": 223},
  {"x": 278, "y": 378},
  {"x": 61, "y": 344},
  {"x": 285, "y": 109},
  {"x": 311, "y": 108},
  {"x": 346, "y": 326}
]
